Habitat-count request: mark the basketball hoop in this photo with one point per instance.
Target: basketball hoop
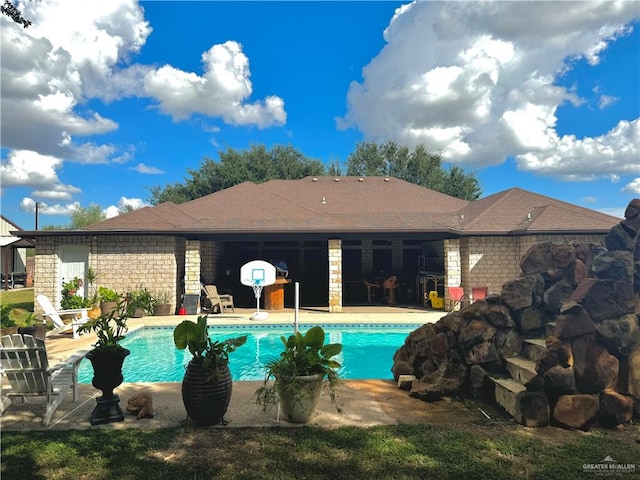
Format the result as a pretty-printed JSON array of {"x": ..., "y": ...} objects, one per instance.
[
  {"x": 257, "y": 289},
  {"x": 258, "y": 274}
]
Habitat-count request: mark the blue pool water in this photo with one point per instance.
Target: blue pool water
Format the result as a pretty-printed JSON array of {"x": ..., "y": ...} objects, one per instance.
[{"x": 367, "y": 351}]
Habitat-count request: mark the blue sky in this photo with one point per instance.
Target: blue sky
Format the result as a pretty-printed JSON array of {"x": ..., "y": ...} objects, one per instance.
[{"x": 102, "y": 100}]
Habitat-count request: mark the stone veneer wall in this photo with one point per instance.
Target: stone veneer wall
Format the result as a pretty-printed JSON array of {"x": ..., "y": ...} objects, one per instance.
[
  {"x": 122, "y": 263},
  {"x": 335, "y": 275},
  {"x": 192, "y": 267},
  {"x": 492, "y": 260},
  {"x": 211, "y": 257}
]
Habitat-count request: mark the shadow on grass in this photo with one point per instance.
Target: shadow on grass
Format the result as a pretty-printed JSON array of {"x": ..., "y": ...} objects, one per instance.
[{"x": 390, "y": 452}]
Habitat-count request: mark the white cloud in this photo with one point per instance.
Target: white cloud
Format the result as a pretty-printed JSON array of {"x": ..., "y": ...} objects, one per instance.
[
  {"x": 606, "y": 100},
  {"x": 28, "y": 205},
  {"x": 221, "y": 91},
  {"x": 52, "y": 68},
  {"x": 632, "y": 187},
  {"x": 142, "y": 168},
  {"x": 134, "y": 203},
  {"x": 77, "y": 51},
  {"x": 615, "y": 152},
  {"x": 32, "y": 170},
  {"x": 478, "y": 82},
  {"x": 29, "y": 169}
]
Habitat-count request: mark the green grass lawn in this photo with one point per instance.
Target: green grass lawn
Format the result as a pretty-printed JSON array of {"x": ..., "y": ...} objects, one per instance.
[
  {"x": 16, "y": 308},
  {"x": 470, "y": 451}
]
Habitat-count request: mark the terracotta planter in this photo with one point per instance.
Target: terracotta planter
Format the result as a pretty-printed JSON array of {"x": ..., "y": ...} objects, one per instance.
[
  {"x": 299, "y": 396},
  {"x": 162, "y": 310},
  {"x": 206, "y": 397},
  {"x": 107, "y": 307}
]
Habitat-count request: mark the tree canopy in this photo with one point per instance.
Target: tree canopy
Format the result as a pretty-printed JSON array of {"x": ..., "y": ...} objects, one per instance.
[
  {"x": 419, "y": 166},
  {"x": 11, "y": 11},
  {"x": 81, "y": 217},
  {"x": 259, "y": 165},
  {"x": 254, "y": 165}
]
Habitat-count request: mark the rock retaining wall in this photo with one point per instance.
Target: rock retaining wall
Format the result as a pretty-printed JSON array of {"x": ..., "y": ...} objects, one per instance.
[{"x": 583, "y": 299}]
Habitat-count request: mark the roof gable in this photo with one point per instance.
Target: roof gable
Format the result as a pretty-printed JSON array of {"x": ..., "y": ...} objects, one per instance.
[{"x": 516, "y": 210}]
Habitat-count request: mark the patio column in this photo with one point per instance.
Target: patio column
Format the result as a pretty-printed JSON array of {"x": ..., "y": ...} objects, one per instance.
[
  {"x": 452, "y": 265},
  {"x": 192, "y": 267},
  {"x": 335, "y": 275}
]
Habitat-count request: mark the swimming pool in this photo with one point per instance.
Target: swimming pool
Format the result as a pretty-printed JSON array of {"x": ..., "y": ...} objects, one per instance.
[{"x": 367, "y": 351}]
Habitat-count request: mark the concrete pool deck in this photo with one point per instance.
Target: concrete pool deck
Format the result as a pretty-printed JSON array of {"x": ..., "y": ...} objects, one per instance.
[{"x": 364, "y": 402}]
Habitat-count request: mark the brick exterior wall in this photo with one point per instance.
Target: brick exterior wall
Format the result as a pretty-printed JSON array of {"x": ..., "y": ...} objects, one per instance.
[
  {"x": 335, "y": 275},
  {"x": 121, "y": 263}
]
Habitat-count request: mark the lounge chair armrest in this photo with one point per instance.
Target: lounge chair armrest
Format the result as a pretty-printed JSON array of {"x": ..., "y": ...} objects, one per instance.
[
  {"x": 71, "y": 311},
  {"x": 70, "y": 361}
]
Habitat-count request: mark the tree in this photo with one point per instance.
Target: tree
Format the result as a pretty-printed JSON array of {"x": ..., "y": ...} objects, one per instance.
[
  {"x": 254, "y": 165},
  {"x": 126, "y": 208},
  {"x": 419, "y": 166},
  {"x": 11, "y": 11},
  {"x": 81, "y": 217}
]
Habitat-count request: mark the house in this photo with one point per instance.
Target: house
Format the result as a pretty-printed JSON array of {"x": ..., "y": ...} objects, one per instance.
[
  {"x": 332, "y": 233},
  {"x": 13, "y": 255}
]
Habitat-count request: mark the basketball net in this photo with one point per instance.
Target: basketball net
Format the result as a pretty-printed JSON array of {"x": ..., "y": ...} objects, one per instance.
[{"x": 257, "y": 289}]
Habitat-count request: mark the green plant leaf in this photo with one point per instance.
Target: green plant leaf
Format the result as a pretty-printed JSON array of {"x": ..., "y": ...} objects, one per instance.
[
  {"x": 331, "y": 349},
  {"x": 314, "y": 337},
  {"x": 183, "y": 334}
]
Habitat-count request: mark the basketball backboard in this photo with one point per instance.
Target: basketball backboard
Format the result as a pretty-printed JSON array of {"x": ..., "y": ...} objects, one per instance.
[{"x": 257, "y": 272}]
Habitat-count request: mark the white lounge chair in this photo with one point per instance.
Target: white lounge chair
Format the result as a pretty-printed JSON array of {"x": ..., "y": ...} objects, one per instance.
[
  {"x": 23, "y": 359},
  {"x": 79, "y": 316}
]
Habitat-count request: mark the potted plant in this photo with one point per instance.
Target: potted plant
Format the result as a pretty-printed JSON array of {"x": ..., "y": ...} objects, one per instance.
[
  {"x": 109, "y": 300},
  {"x": 70, "y": 297},
  {"x": 207, "y": 384},
  {"x": 107, "y": 358},
  {"x": 162, "y": 305},
  {"x": 304, "y": 367},
  {"x": 94, "y": 302},
  {"x": 140, "y": 302}
]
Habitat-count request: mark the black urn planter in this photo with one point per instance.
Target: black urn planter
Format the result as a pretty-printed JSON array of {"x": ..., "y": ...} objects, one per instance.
[
  {"x": 206, "y": 395},
  {"x": 107, "y": 375}
]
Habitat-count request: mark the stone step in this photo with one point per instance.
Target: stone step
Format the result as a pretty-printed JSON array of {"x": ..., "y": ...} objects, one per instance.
[
  {"x": 527, "y": 408},
  {"x": 521, "y": 369},
  {"x": 533, "y": 348},
  {"x": 506, "y": 392},
  {"x": 549, "y": 328}
]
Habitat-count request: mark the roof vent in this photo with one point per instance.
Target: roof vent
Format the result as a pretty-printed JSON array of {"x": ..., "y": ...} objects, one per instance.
[
  {"x": 461, "y": 217},
  {"x": 386, "y": 179},
  {"x": 336, "y": 179},
  {"x": 361, "y": 179},
  {"x": 324, "y": 200},
  {"x": 314, "y": 179}
]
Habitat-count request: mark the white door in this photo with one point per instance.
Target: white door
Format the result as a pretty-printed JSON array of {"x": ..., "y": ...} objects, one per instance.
[{"x": 73, "y": 263}]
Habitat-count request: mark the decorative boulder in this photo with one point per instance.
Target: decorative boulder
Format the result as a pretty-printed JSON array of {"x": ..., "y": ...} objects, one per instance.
[{"x": 576, "y": 411}]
